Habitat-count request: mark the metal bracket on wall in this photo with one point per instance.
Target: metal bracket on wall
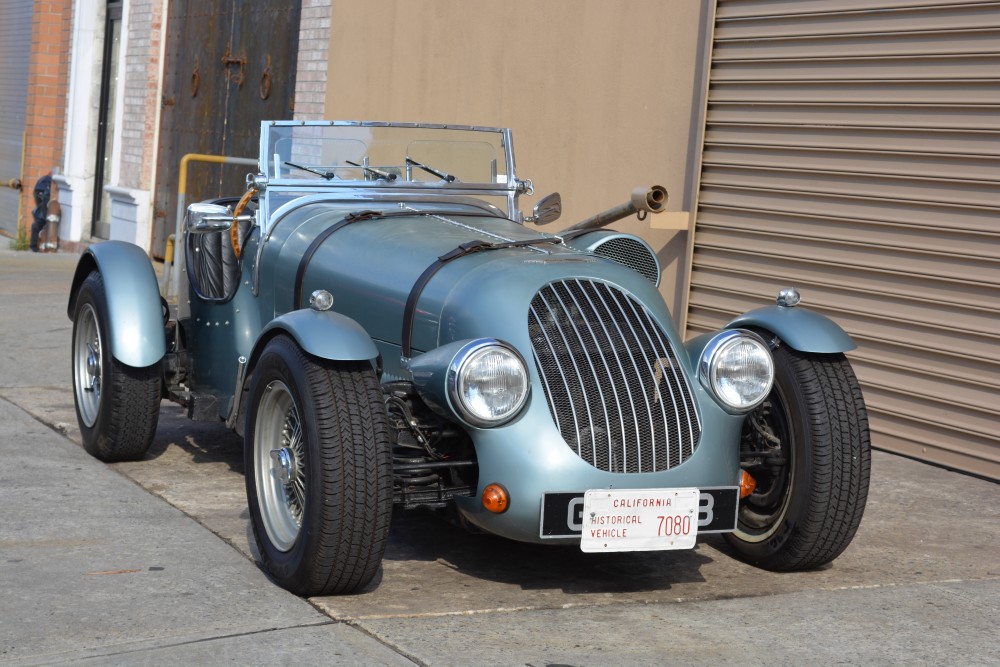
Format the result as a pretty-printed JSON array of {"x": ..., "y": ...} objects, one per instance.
[
  {"x": 195, "y": 78},
  {"x": 265, "y": 80},
  {"x": 229, "y": 59}
]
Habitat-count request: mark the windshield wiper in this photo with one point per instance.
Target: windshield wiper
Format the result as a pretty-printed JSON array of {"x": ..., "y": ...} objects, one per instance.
[
  {"x": 377, "y": 173},
  {"x": 430, "y": 170},
  {"x": 328, "y": 175}
]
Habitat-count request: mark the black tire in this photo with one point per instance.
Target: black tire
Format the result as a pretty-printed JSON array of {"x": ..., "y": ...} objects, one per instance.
[
  {"x": 117, "y": 406},
  {"x": 812, "y": 465},
  {"x": 320, "y": 505}
]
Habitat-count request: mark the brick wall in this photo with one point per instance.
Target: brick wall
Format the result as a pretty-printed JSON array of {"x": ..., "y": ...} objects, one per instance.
[
  {"x": 142, "y": 68},
  {"x": 46, "y": 101},
  {"x": 310, "y": 75}
]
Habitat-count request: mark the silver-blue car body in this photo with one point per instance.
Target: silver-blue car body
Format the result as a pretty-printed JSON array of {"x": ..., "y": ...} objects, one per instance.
[{"x": 386, "y": 328}]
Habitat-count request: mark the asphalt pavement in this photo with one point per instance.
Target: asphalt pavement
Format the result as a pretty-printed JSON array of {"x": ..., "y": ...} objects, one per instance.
[{"x": 151, "y": 562}]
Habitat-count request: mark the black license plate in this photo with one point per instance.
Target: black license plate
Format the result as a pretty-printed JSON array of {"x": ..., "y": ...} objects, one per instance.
[{"x": 562, "y": 513}]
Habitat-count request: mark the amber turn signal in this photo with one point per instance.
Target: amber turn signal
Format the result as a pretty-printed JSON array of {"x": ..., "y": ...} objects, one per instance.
[
  {"x": 495, "y": 498},
  {"x": 747, "y": 484}
]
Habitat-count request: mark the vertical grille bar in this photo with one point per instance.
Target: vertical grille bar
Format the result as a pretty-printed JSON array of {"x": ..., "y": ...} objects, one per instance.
[
  {"x": 612, "y": 410},
  {"x": 596, "y": 347},
  {"x": 632, "y": 342}
]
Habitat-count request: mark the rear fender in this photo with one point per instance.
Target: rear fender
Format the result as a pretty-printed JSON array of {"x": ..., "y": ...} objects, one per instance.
[
  {"x": 135, "y": 314},
  {"x": 799, "y": 328}
]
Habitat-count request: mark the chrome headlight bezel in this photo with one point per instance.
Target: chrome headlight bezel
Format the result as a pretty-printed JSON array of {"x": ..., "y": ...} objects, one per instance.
[
  {"x": 458, "y": 381},
  {"x": 711, "y": 371}
]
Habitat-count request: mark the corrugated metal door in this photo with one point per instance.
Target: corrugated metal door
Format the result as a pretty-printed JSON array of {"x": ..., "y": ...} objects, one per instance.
[
  {"x": 230, "y": 65},
  {"x": 15, "y": 54},
  {"x": 852, "y": 149}
]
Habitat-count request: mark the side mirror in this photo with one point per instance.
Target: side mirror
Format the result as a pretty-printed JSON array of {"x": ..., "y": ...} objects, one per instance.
[
  {"x": 205, "y": 218},
  {"x": 548, "y": 209}
]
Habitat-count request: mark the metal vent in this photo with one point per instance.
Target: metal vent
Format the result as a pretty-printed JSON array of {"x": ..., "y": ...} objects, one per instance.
[
  {"x": 613, "y": 384},
  {"x": 633, "y": 253}
]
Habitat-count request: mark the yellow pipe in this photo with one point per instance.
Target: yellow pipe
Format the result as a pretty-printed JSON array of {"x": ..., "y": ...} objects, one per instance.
[
  {"x": 203, "y": 157},
  {"x": 182, "y": 200}
]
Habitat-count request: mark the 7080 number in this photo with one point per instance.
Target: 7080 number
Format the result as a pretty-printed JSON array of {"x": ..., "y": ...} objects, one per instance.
[{"x": 674, "y": 524}]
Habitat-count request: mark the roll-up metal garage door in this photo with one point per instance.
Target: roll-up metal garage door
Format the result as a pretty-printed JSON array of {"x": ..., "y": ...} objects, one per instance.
[
  {"x": 852, "y": 149},
  {"x": 15, "y": 52}
]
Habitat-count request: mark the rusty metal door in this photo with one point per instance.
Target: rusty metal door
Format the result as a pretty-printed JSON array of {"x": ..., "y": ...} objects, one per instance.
[{"x": 230, "y": 64}]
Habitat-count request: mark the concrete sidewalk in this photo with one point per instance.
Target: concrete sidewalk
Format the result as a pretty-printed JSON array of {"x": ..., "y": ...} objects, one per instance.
[
  {"x": 97, "y": 567},
  {"x": 94, "y": 567},
  {"x": 95, "y": 570}
]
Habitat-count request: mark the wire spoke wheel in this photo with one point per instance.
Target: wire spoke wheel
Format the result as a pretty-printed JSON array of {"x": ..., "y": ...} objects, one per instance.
[
  {"x": 767, "y": 442},
  {"x": 87, "y": 368},
  {"x": 279, "y": 459},
  {"x": 319, "y": 470},
  {"x": 807, "y": 447},
  {"x": 117, "y": 406}
]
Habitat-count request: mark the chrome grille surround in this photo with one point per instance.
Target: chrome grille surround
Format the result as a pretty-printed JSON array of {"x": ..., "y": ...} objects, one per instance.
[{"x": 612, "y": 381}]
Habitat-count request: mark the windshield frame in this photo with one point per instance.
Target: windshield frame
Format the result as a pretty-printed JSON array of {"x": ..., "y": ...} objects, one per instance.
[{"x": 501, "y": 137}]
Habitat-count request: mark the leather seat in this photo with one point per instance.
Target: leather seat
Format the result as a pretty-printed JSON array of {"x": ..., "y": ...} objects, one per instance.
[{"x": 212, "y": 265}]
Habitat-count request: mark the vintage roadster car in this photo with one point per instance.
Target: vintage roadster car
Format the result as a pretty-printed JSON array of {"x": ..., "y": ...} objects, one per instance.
[{"x": 384, "y": 327}]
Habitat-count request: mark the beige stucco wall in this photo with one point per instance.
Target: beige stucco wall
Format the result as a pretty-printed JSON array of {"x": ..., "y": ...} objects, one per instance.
[{"x": 601, "y": 96}]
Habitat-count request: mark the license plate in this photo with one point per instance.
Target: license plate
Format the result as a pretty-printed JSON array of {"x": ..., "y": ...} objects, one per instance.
[
  {"x": 639, "y": 519},
  {"x": 562, "y": 512}
]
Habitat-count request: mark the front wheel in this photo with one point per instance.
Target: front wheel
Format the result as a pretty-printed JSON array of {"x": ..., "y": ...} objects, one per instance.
[
  {"x": 807, "y": 447},
  {"x": 117, "y": 406},
  {"x": 318, "y": 470}
]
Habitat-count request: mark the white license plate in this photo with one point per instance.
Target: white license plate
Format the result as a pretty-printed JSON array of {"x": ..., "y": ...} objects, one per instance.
[{"x": 639, "y": 519}]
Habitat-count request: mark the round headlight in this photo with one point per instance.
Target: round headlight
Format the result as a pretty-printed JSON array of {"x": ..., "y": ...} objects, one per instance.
[
  {"x": 737, "y": 368},
  {"x": 489, "y": 383}
]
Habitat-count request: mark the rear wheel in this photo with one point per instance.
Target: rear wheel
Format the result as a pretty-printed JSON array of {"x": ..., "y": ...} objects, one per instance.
[
  {"x": 807, "y": 447},
  {"x": 318, "y": 470},
  {"x": 117, "y": 406}
]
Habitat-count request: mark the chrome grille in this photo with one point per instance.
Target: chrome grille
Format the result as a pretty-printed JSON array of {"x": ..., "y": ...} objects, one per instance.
[{"x": 612, "y": 381}]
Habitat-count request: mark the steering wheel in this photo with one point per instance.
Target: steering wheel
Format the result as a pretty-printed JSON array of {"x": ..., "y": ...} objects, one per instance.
[{"x": 234, "y": 230}]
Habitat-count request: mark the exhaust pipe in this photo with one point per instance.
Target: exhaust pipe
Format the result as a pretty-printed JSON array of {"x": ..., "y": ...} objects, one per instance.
[{"x": 642, "y": 202}]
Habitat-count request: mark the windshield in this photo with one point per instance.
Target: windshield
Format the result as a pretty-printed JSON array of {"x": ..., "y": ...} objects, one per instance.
[{"x": 384, "y": 155}]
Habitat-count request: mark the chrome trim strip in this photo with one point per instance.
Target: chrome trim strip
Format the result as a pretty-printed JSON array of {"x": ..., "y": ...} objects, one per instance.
[
  {"x": 614, "y": 388},
  {"x": 593, "y": 374},
  {"x": 234, "y": 411},
  {"x": 653, "y": 363},
  {"x": 639, "y": 374}
]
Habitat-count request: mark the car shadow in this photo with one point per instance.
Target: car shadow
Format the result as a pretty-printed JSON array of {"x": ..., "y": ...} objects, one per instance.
[
  {"x": 427, "y": 536},
  {"x": 424, "y": 535},
  {"x": 203, "y": 442}
]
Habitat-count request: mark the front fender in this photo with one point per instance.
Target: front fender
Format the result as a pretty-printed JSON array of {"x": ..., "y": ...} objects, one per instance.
[
  {"x": 799, "y": 328},
  {"x": 135, "y": 316},
  {"x": 323, "y": 334}
]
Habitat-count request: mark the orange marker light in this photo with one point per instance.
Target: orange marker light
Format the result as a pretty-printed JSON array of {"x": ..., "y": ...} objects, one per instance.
[
  {"x": 495, "y": 498},
  {"x": 747, "y": 484}
]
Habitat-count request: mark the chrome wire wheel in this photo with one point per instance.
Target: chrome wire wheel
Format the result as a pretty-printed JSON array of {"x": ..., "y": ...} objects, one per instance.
[
  {"x": 280, "y": 465},
  {"x": 768, "y": 437},
  {"x": 88, "y": 374}
]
